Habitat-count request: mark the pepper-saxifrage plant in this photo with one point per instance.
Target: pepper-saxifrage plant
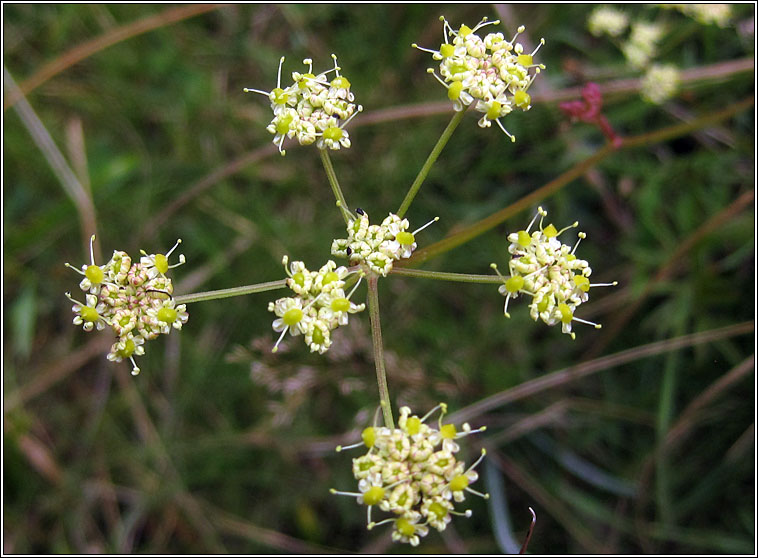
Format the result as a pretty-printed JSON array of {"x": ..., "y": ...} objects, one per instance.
[{"x": 413, "y": 471}]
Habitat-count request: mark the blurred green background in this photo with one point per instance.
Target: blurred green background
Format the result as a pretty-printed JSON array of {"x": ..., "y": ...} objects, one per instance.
[{"x": 220, "y": 446}]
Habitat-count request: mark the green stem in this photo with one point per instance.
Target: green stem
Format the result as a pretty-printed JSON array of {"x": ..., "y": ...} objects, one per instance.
[
  {"x": 446, "y": 276},
  {"x": 332, "y": 176},
  {"x": 376, "y": 337},
  {"x": 234, "y": 291},
  {"x": 667, "y": 398},
  {"x": 457, "y": 117}
]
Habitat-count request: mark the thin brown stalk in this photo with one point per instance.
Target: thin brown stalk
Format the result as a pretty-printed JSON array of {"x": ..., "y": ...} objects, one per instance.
[
  {"x": 40, "y": 458},
  {"x": 529, "y": 533},
  {"x": 59, "y": 369},
  {"x": 685, "y": 425},
  {"x": 80, "y": 195},
  {"x": 687, "y": 420},
  {"x": 551, "y": 505},
  {"x": 740, "y": 448},
  {"x": 668, "y": 269},
  {"x": 690, "y": 77},
  {"x": 573, "y": 373},
  {"x": 149, "y": 434},
  {"x": 194, "y": 190},
  {"x": 85, "y": 50},
  {"x": 550, "y": 415},
  {"x": 325, "y": 446},
  {"x": 231, "y": 525},
  {"x": 610, "y": 410},
  {"x": 77, "y": 152}
]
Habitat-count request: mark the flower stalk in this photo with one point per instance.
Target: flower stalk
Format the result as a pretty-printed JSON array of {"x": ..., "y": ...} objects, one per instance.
[
  {"x": 332, "y": 176},
  {"x": 376, "y": 337},
  {"x": 447, "y": 276},
  {"x": 438, "y": 147},
  {"x": 234, "y": 291}
]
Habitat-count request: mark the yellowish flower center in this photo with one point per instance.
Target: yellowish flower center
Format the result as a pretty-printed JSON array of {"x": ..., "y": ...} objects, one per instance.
[
  {"x": 550, "y": 231},
  {"x": 582, "y": 282},
  {"x": 448, "y": 431},
  {"x": 299, "y": 278},
  {"x": 413, "y": 426},
  {"x": 494, "y": 111},
  {"x": 341, "y": 82},
  {"x": 89, "y": 314},
  {"x": 128, "y": 349},
  {"x": 524, "y": 239},
  {"x": 405, "y": 238},
  {"x": 542, "y": 305},
  {"x": 405, "y": 527},
  {"x": 514, "y": 284},
  {"x": 524, "y": 59},
  {"x": 280, "y": 97},
  {"x": 318, "y": 336},
  {"x": 292, "y": 316},
  {"x": 566, "y": 314},
  {"x": 94, "y": 274},
  {"x": 333, "y": 133},
  {"x": 283, "y": 125},
  {"x": 161, "y": 263},
  {"x": 521, "y": 99},
  {"x": 340, "y": 305},
  {"x": 373, "y": 495},
  {"x": 329, "y": 277},
  {"x": 454, "y": 91},
  {"x": 167, "y": 315},
  {"x": 447, "y": 50},
  {"x": 459, "y": 483},
  {"x": 438, "y": 509},
  {"x": 369, "y": 436}
]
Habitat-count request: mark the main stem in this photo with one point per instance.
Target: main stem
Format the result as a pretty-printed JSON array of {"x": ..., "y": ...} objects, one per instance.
[
  {"x": 376, "y": 337},
  {"x": 234, "y": 291},
  {"x": 332, "y": 176},
  {"x": 422, "y": 174}
]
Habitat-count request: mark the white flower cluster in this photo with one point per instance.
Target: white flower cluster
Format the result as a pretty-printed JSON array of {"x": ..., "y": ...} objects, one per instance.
[
  {"x": 319, "y": 305},
  {"x": 134, "y": 299},
  {"x": 660, "y": 83},
  {"x": 377, "y": 246},
  {"x": 606, "y": 20},
  {"x": 312, "y": 109},
  {"x": 548, "y": 271},
  {"x": 413, "y": 472},
  {"x": 706, "y": 14},
  {"x": 642, "y": 45},
  {"x": 493, "y": 72}
]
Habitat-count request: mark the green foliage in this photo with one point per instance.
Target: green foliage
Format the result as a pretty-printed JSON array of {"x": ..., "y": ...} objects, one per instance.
[{"x": 221, "y": 446}]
